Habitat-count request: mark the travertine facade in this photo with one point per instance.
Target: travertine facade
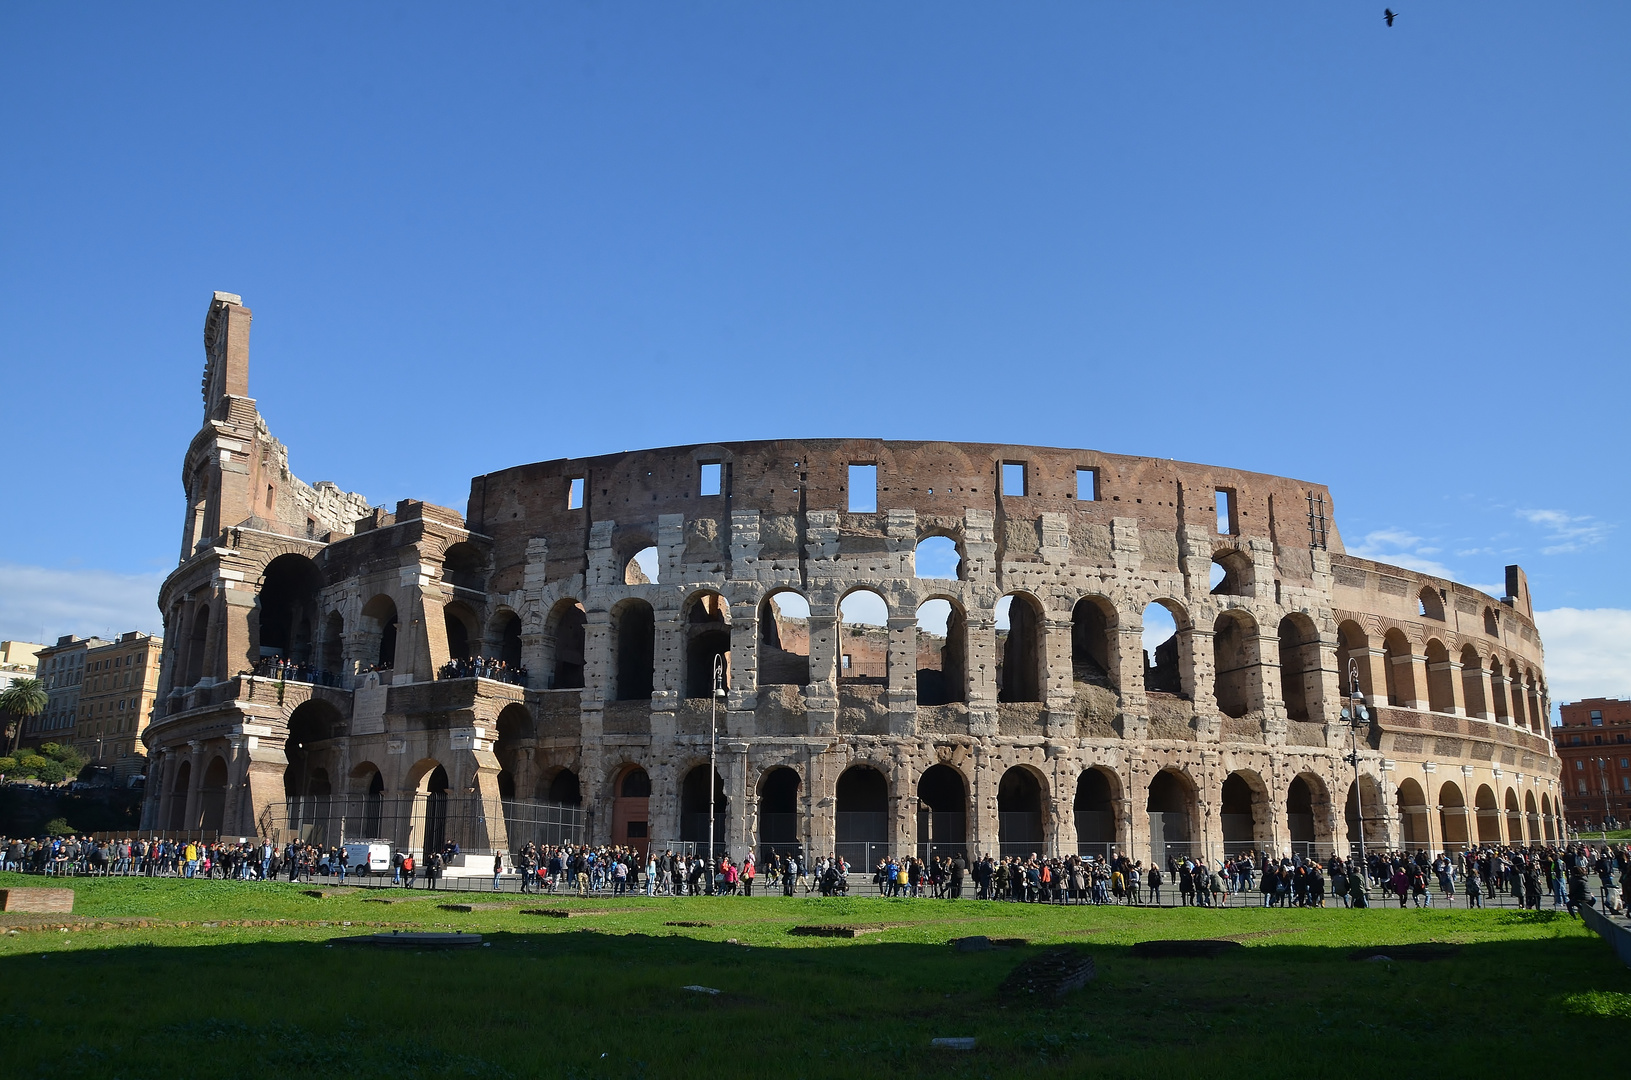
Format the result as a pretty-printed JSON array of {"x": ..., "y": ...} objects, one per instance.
[{"x": 1033, "y": 719}]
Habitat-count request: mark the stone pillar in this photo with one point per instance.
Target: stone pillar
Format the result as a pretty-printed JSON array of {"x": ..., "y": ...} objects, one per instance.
[
  {"x": 902, "y": 806},
  {"x": 902, "y": 672},
  {"x": 822, "y": 769},
  {"x": 1450, "y": 672},
  {"x": 981, "y": 666},
  {"x": 821, "y": 695},
  {"x": 1059, "y": 683},
  {"x": 195, "y": 777},
  {"x": 739, "y": 790},
  {"x": 983, "y": 835},
  {"x": 1198, "y": 671},
  {"x": 1414, "y": 669}
]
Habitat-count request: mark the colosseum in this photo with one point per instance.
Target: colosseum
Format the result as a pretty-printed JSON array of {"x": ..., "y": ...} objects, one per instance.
[{"x": 884, "y": 646}]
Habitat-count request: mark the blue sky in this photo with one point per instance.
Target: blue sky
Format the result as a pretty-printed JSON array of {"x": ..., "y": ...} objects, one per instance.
[{"x": 1280, "y": 237}]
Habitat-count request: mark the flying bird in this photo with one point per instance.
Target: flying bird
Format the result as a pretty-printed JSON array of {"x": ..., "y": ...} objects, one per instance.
[{"x": 1389, "y": 14}]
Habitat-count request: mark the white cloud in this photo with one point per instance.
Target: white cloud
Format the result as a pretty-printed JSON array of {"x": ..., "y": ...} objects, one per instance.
[
  {"x": 1401, "y": 548},
  {"x": 1588, "y": 652},
  {"x": 40, "y": 604},
  {"x": 1567, "y": 532}
]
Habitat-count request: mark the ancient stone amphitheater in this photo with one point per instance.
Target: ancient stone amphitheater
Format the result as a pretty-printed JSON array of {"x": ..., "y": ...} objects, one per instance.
[{"x": 919, "y": 646}]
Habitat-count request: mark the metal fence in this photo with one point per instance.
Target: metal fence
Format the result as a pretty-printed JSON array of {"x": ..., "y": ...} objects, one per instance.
[{"x": 425, "y": 822}]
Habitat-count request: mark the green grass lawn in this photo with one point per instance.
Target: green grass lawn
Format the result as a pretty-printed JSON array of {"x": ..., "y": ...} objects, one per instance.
[{"x": 601, "y": 995}]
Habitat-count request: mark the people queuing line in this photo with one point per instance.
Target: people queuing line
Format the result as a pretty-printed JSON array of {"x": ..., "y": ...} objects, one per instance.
[{"x": 483, "y": 667}]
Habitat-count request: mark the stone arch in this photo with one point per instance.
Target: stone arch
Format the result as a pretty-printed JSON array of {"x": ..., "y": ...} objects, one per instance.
[
  {"x": 1520, "y": 715},
  {"x": 1514, "y": 818},
  {"x": 1308, "y": 815},
  {"x": 436, "y": 789},
  {"x": 631, "y": 808},
  {"x": 863, "y": 637},
  {"x": 644, "y": 567},
  {"x": 936, "y": 552},
  {"x": 564, "y": 632},
  {"x": 1537, "y": 721},
  {"x": 1531, "y": 811},
  {"x": 367, "y": 785},
  {"x": 1300, "y": 669},
  {"x": 1098, "y": 794},
  {"x": 1429, "y": 604},
  {"x": 311, "y": 725},
  {"x": 1548, "y": 819},
  {"x": 942, "y": 814},
  {"x": 784, "y": 639},
  {"x": 861, "y": 807},
  {"x": 331, "y": 652},
  {"x": 379, "y": 619},
  {"x": 515, "y": 730},
  {"x": 1237, "y": 654},
  {"x": 178, "y": 796},
  {"x": 464, "y": 566},
  {"x": 1399, "y": 664},
  {"x": 198, "y": 644},
  {"x": 1022, "y": 817},
  {"x": 942, "y": 652},
  {"x": 1092, "y": 642},
  {"x": 1472, "y": 683},
  {"x": 1353, "y": 653},
  {"x": 1452, "y": 816},
  {"x": 1022, "y": 652},
  {"x": 463, "y": 630},
  {"x": 707, "y": 619},
  {"x": 634, "y": 646},
  {"x": 1232, "y": 573},
  {"x": 779, "y": 809},
  {"x": 1440, "y": 679},
  {"x": 694, "y": 809},
  {"x": 1365, "y": 811},
  {"x": 1500, "y": 703},
  {"x": 1492, "y": 625},
  {"x": 1165, "y": 669},
  {"x": 212, "y": 795},
  {"x": 1488, "y": 814},
  {"x": 1246, "y": 814},
  {"x": 1413, "y": 814},
  {"x": 1174, "y": 812},
  {"x": 504, "y": 637},
  {"x": 286, "y": 603}
]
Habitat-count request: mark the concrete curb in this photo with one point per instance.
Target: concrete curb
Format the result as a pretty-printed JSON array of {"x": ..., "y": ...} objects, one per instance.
[{"x": 1617, "y": 932}]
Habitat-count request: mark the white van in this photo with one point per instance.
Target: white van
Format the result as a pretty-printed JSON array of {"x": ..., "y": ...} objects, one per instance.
[{"x": 368, "y": 857}]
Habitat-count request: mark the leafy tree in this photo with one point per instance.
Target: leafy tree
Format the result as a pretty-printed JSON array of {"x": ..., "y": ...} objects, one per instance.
[
  {"x": 22, "y": 701},
  {"x": 59, "y": 827},
  {"x": 8, "y": 765},
  {"x": 30, "y": 764},
  {"x": 52, "y": 772}
]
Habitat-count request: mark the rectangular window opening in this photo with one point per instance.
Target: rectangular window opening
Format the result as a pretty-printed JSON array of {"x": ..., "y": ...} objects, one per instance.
[
  {"x": 1013, "y": 478},
  {"x": 1087, "y": 485},
  {"x": 863, "y": 489},
  {"x": 712, "y": 478},
  {"x": 1228, "y": 522},
  {"x": 574, "y": 493}
]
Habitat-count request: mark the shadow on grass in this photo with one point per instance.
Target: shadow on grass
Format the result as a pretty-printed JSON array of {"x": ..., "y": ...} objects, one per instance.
[{"x": 583, "y": 1003}]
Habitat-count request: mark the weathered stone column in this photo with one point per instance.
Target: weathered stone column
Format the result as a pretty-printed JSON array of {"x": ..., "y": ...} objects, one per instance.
[{"x": 902, "y": 672}]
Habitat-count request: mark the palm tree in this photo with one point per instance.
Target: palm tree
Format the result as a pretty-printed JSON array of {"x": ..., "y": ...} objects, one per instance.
[{"x": 22, "y": 701}]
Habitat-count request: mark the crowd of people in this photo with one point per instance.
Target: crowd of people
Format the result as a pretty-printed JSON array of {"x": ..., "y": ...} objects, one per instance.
[
  {"x": 281, "y": 670},
  {"x": 483, "y": 667},
  {"x": 1570, "y": 876}
]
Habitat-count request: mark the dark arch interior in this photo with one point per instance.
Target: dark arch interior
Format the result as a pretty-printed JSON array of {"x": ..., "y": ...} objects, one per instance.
[
  {"x": 708, "y": 636},
  {"x": 636, "y": 650},
  {"x": 1169, "y": 806},
  {"x": 458, "y": 635},
  {"x": 863, "y": 790},
  {"x": 1019, "y": 678},
  {"x": 943, "y": 789},
  {"x": 509, "y": 639},
  {"x": 1239, "y": 821},
  {"x": 569, "y": 624},
  {"x": 564, "y": 788},
  {"x": 1019, "y": 811},
  {"x": 1095, "y": 809},
  {"x": 1090, "y": 644},
  {"x": 288, "y": 607},
  {"x": 778, "y": 808},
  {"x": 635, "y": 784},
  {"x": 1300, "y": 811},
  {"x": 694, "y": 808}
]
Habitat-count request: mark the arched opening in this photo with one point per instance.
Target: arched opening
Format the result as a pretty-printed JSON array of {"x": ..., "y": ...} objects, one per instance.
[
  {"x": 515, "y": 731},
  {"x": 311, "y": 725},
  {"x": 1520, "y": 716},
  {"x": 564, "y": 788},
  {"x": 1537, "y": 722},
  {"x": 631, "y": 809},
  {"x": 1364, "y": 809},
  {"x": 642, "y": 568},
  {"x": 1399, "y": 663},
  {"x": 1492, "y": 625},
  {"x": 1095, "y": 810},
  {"x": 435, "y": 792},
  {"x": 1514, "y": 818},
  {"x": 1238, "y": 813},
  {"x": 379, "y": 620},
  {"x": 1020, "y": 822},
  {"x": 504, "y": 639},
  {"x": 784, "y": 640},
  {"x": 942, "y": 813},
  {"x": 942, "y": 652},
  {"x": 1232, "y": 573},
  {"x": 331, "y": 654},
  {"x": 1429, "y": 604},
  {"x": 464, "y": 566},
  {"x": 1413, "y": 815},
  {"x": 1440, "y": 679},
  {"x": 368, "y": 787},
  {"x": 1299, "y": 666},
  {"x": 1472, "y": 683},
  {"x": 779, "y": 811},
  {"x": 1091, "y": 622},
  {"x": 563, "y": 642},
  {"x": 1548, "y": 820},
  {"x": 1353, "y": 654},
  {"x": 1163, "y": 673},
  {"x": 1532, "y": 813},
  {"x": 863, "y": 638},
  {"x": 634, "y": 629},
  {"x": 1235, "y": 652},
  {"x": 707, "y": 642},
  {"x": 1488, "y": 814},
  {"x": 198, "y": 645},
  {"x": 287, "y": 600},
  {"x": 1452, "y": 816},
  {"x": 1497, "y": 691},
  {"x": 694, "y": 810},
  {"x": 1021, "y": 669},
  {"x": 1172, "y": 811},
  {"x": 461, "y": 625},
  {"x": 862, "y": 813},
  {"x": 938, "y": 557},
  {"x": 1301, "y": 819},
  {"x": 212, "y": 796},
  {"x": 178, "y": 796}
]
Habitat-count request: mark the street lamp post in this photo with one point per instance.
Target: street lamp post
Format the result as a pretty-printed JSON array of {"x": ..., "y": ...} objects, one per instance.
[
  {"x": 713, "y": 748},
  {"x": 1356, "y": 716},
  {"x": 1602, "y": 772}
]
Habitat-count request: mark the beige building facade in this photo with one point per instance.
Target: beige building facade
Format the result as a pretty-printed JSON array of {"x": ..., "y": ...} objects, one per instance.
[
  {"x": 1021, "y": 700},
  {"x": 120, "y": 682},
  {"x": 62, "y": 671}
]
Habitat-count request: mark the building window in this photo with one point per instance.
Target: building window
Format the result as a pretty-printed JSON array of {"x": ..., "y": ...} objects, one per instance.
[
  {"x": 1579, "y": 766},
  {"x": 1013, "y": 478},
  {"x": 713, "y": 478},
  {"x": 574, "y": 493},
  {"x": 863, "y": 489},
  {"x": 1596, "y": 718},
  {"x": 1582, "y": 786},
  {"x": 1228, "y": 517}
]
